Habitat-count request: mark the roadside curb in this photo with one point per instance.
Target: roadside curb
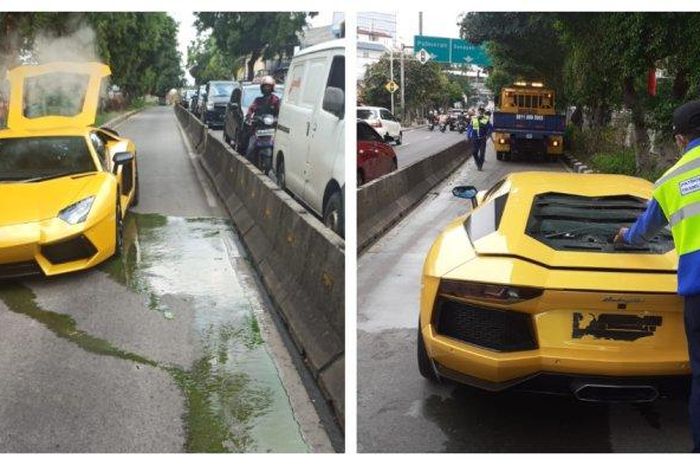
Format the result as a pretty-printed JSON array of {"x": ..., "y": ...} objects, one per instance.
[
  {"x": 121, "y": 118},
  {"x": 575, "y": 165}
]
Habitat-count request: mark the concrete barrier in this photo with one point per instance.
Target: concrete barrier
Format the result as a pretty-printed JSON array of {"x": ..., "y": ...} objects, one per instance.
[
  {"x": 300, "y": 262},
  {"x": 384, "y": 201}
]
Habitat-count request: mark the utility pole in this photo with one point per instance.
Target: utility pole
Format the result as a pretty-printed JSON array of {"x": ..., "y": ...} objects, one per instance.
[
  {"x": 403, "y": 98},
  {"x": 391, "y": 77},
  {"x": 420, "y": 23}
]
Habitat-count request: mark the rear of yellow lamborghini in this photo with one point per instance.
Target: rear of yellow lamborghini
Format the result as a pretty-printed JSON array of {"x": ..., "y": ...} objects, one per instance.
[{"x": 528, "y": 292}]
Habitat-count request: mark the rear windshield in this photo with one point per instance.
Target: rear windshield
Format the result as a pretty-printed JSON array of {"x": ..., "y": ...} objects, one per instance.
[
  {"x": 39, "y": 158},
  {"x": 574, "y": 222},
  {"x": 220, "y": 89},
  {"x": 366, "y": 114},
  {"x": 251, "y": 93}
]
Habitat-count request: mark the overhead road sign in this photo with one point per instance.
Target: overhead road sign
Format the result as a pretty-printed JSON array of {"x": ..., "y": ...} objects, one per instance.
[{"x": 455, "y": 51}]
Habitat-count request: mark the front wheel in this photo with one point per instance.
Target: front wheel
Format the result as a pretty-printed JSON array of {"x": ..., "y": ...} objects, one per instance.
[
  {"x": 360, "y": 178},
  {"x": 119, "y": 232},
  {"x": 280, "y": 175},
  {"x": 333, "y": 214},
  {"x": 499, "y": 156},
  {"x": 399, "y": 140}
]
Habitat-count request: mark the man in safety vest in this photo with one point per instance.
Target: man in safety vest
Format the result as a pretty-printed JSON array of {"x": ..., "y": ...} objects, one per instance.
[
  {"x": 478, "y": 131},
  {"x": 676, "y": 203}
]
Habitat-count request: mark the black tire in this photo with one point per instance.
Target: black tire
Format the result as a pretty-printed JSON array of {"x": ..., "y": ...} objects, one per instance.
[
  {"x": 399, "y": 141},
  {"x": 360, "y": 178},
  {"x": 227, "y": 139},
  {"x": 395, "y": 165},
  {"x": 280, "y": 174},
  {"x": 137, "y": 190},
  {"x": 507, "y": 156},
  {"x": 425, "y": 366},
  {"x": 499, "y": 156},
  {"x": 333, "y": 215},
  {"x": 119, "y": 233}
]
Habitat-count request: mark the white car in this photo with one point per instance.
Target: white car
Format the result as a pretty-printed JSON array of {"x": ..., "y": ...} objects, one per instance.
[
  {"x": 383, "y": 121},
  {"x": 309, "y": 151}
]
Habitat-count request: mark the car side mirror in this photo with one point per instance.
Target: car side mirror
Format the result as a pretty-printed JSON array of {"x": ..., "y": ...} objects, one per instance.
[
  {"x": 121, "y": 158},
  {"x": 466, "y": 192},
  {"x": 334, "y": 101}
]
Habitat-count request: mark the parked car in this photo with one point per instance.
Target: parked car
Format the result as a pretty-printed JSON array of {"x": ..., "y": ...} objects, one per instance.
[
  {"x": 528, "y": 291},
  {"x": 309, "y": 145},
  {"x": 216, "y": 97},
  {"x": 387, "y": 125},
  {"x": 375, "y": 158},
  {"x": 186, "y": 98},
  {"x": 241, "y": 98}
]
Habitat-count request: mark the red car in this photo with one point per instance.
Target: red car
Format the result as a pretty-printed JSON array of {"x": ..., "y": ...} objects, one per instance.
[{"x": 375, "y": 157}]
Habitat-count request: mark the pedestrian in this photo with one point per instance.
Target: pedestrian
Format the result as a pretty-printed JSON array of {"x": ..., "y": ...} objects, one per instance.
[
  {"x": 676, "y": 203},
  {"x": 479, "y": 130}
]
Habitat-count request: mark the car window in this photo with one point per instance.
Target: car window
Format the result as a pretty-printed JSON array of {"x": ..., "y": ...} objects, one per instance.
[
  {"x": 386, "y": 115},
  {"x": 487, "y": 218},
  {"x": 235, "y": 96},
  {"x": 366, "y": 114},
  {"x": 296, "y": 77},
  {"x": 57, "y": 94},
  {"x": 492, "y": 190},
  {"x": 336, "y": 76},
  {"x": 36, "y": 158},
  {"x": 99, "y": 146},
  {"x": 220, "y": 89},
  {"x": 251, "y": 93},
  {"x": 315, "y": 77}
]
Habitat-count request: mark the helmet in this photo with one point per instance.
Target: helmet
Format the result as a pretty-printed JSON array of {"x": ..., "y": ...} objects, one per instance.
[
  {"x": 481, "y": 110},
  {"x": 267, "y": 85}
]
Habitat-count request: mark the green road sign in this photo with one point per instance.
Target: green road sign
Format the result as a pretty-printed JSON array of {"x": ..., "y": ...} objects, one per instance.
[
  {"x": 437, "y": 47},
  {"x": 457, "y": 51}
]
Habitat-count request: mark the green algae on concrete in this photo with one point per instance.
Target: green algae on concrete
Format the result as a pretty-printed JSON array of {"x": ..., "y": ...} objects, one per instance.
[{"x": 235, "y": 398}]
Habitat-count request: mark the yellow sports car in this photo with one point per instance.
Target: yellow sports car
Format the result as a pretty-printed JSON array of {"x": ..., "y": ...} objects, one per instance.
[
  {"x": 65, "y": 186},
  {"x": 529, "y": 292}
]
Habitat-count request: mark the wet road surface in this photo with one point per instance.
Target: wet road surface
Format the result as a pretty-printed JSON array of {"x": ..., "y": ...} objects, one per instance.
[
  {"x": 169, "y": 348},
  {"x": 420, "y": 143},
  {"x": 399, "y": 411}
]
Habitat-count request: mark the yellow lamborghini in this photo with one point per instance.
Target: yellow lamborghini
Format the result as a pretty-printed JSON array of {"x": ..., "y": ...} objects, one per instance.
[
  {"x": 65, "y": 186},
  {"x": 529, "y": 292}
]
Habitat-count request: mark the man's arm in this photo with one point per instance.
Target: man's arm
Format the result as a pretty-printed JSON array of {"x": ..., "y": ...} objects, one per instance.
[{"x": 645, "y": 228}]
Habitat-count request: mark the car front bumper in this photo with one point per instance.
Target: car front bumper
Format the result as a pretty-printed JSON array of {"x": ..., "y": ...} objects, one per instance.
[{"x": 52, "y": 247}]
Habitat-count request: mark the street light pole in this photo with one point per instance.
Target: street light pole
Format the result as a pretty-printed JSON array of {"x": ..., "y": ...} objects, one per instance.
[{"x": 403, "y": 96}]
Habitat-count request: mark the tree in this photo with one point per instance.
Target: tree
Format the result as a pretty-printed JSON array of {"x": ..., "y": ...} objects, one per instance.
[
  {"x": 521, "y": 46},
  {"x": 254, "y": 35},
  {"x": 207, "y": 63}
]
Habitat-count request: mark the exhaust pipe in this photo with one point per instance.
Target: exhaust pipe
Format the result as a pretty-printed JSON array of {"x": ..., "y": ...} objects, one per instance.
[{"x": 590, "y": 392}]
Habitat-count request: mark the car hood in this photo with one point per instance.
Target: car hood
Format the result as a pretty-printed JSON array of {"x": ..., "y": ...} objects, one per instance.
[
  {"x": 35, "y": 201},
  {"x": 34, "y": 89}
]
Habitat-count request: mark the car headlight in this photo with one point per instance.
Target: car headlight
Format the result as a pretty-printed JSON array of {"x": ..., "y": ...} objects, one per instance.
[
  {"x": 268, "y": 120},
  {"x": 77, "y": 212}
]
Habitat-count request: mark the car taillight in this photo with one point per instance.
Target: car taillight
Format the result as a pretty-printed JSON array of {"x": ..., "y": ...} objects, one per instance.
[{"x": 491, "y": 292}]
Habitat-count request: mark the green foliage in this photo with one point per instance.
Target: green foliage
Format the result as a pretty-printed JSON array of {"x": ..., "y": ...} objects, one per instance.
[
  {"x": 520, "y": 45},
  {"x": 621, "y": 162},
  {"x": 426, "y": 86},
  {"x": 253, "y": 35},
  {"x": 141, "y": 48},
  {"x": 206, "y": 62}
]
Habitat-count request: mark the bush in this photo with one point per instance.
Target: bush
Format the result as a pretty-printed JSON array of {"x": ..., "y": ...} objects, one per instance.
[{"x": 618, "y": 162}]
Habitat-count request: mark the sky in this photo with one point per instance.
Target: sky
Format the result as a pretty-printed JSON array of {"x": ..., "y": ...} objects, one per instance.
[
  {"x": 440, "y": 22},
  {"x": 187, "y": 32}
]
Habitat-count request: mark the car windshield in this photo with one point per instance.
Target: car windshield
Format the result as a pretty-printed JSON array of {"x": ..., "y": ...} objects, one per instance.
[
  {"x": 221, "y": 89},
  {"x": 366, "y": 114},
  {"x": 575, "y": 222},
  {"x": 40, "y": 158},
  {"x": 251, "y": 93}
]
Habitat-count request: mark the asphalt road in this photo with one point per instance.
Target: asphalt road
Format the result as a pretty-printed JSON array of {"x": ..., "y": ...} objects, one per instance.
[
  {"x": 171, "y": 348},
  {"x": 399, "y": 411},
  {"x": 420, "y": 143}
]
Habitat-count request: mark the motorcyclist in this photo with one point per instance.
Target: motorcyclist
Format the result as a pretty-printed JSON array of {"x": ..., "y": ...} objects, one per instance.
[{"x": 266, "y": 104}]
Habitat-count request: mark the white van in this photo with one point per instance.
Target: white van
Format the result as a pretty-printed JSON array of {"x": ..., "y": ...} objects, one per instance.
[{"x": 309, "y": 152}]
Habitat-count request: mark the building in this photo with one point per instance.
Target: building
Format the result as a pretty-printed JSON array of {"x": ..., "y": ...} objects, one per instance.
[{"x": 376, "y": 35}]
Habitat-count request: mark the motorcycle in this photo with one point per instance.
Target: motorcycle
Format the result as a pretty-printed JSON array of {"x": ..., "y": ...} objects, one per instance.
[
  {"x": 431, "y": 123},
  {"x": 443, "y": 126},
  {"x": 263, "y": 134},
  {"x": 462, "y": 125}
]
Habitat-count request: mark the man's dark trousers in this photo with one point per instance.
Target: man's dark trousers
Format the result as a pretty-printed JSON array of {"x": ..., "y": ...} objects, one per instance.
[
  {"x": 479, "y": 151},
  {"x": 692, "y": 331}
]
